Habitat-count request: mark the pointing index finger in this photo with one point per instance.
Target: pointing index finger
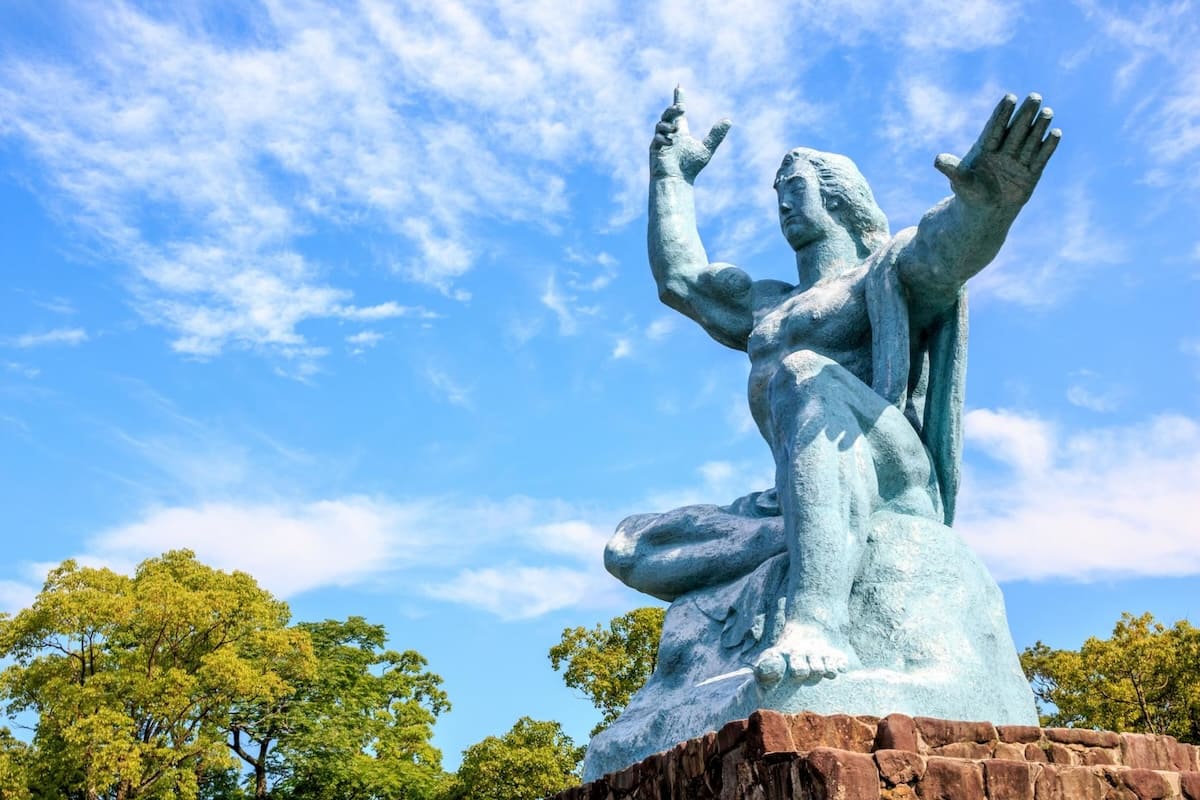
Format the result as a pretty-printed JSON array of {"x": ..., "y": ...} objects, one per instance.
[{"x": 679, "y": 100}]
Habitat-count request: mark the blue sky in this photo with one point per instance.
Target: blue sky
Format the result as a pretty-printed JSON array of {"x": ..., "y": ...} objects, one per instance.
[{"x": 354, "y": 297}]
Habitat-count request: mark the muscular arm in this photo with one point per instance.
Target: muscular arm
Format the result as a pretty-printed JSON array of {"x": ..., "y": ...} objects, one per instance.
[
  {"x": 718, "y": 296},
  {"x": 962, "y": 234}
]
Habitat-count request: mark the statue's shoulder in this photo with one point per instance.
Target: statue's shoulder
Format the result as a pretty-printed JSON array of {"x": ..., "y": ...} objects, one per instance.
[{"x": 767, "y": 293}]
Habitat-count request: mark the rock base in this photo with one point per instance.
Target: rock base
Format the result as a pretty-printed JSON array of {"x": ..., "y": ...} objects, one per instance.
[{"x": 774, "y": 756}]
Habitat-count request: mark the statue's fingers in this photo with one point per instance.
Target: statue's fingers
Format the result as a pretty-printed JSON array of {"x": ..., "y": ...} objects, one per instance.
[
  {"x": 1046, "y": 150},
  {"x": 947, "y": 165},
  {"x": 660, "y": 140},
  {"x": 1018, "y": 131},
  {"x": 1036, "y": 133},
  {"x": 666, "y": 128},
  {"x": 717, "y": 135},
  {"x": 679, "y": 99},
  {"x": 673, "y": 113},
  {"x": 997, "y": 124}
]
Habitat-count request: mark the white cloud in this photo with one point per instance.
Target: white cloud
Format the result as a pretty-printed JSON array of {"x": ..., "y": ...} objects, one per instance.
[
  {"x": 24, "y": 370},
  {"x": 1157, "y": 40},
  {"x": 423, "y": 125},
  {"x": 1101, "y": 503},
  {"x": 293, "y": 547},
  {"x": 288, "y": 549},
  {"x": 363, "y": 340},
  {"x": 520, "y": 592},
  {"x": 623, "y": 348},
  {"x": 57, "y": 336},
  {"x": 454, "y": 393},
  {"x": 553, "y": 299},
  {"x": 1083, "y": 397},
  {"x": 1049, "y": 252},
  {"x": 1023, "y": 442},
  {"x": 720, "y": 482},
  {"x": 15, "y": 595},
  {"x": 660, "y": 328}
]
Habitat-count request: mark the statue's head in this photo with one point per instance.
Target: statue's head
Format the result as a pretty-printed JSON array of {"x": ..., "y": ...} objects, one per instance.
[{"x": 842, "y": 191}]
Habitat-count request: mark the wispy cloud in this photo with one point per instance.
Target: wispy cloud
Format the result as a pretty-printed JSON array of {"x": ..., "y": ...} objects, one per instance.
[
  {"x": 1049, "y": 254},
  {"x": 448, "y": 388},
  {"x": 1099, "y": 503},
  {"x": 58, "y": 336},
  {"x": 521, "y": 592},
  {"x": 363, "y": 340},
  {"x": 420, "y": 124}
]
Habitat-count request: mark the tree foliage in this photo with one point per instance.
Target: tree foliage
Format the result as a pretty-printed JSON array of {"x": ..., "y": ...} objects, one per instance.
[
  {"x": 1144, "y": 678},
  {"x": 361, "y": 727},
  {"x": 174, "y": 682},
  {"x": 533, "y": 760},
  {"x": 131, "y": 678},
  {"x": 609, "y": 666}
]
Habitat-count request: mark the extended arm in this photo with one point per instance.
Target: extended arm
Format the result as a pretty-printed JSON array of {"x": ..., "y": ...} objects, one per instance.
[
  {"x": 962, "y": 234},
  {"x": 718, "y": 296}
]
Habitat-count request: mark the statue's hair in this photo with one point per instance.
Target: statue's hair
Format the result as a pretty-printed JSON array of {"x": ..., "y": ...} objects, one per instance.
[{"x": 846, "y": 194}]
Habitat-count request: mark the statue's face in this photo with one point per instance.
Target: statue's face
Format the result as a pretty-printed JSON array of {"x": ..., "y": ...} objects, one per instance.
[{"x": 802, "y": 213}]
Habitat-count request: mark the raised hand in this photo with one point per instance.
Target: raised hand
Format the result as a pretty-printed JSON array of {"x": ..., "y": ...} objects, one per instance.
[
  {"x": 676, "y": 153},
  {"x": 1007, "y": 159}
]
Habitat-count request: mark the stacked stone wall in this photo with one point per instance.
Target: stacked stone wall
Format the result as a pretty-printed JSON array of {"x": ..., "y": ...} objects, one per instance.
[{"x": 773, "y": 756}]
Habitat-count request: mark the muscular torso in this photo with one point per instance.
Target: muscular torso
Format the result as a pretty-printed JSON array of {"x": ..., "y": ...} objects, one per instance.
[{"x": 829, "y": 319}]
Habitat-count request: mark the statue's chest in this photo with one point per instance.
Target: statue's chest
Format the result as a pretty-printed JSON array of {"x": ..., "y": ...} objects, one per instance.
[{"x": 825, "y": 318}]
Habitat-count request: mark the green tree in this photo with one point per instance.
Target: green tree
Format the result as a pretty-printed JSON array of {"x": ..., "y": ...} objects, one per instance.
[
  {"x": 610, "y": 665},
  {"x": 15, "y": 775},
  {"x": 361, "y": 726},
  {"x": 533, "y": 760},
  {"x": 1144, "y": 678},
  {"x": 133, "y": 678}
]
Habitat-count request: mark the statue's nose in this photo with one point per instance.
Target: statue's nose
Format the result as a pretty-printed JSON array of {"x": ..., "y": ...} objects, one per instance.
[{"x": 785, "y": 206}]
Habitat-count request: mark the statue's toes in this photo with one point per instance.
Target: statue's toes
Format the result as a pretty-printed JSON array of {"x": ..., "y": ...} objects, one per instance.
[
  {"x": 770, "y": 667},
  {"x": 800, "y": 666}
]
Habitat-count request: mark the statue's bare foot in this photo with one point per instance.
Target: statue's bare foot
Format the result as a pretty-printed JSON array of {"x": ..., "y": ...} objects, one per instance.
[{"x": 804, "y": 652}]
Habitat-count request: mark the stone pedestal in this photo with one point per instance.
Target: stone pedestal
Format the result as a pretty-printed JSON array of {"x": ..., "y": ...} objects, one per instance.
[{"x": 774, "y": 756}]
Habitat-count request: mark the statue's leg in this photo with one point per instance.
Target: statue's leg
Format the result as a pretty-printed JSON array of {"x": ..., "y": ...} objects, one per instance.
[
  {"x": 670, "y": 554},
  {"x": 829, "y": 434}
]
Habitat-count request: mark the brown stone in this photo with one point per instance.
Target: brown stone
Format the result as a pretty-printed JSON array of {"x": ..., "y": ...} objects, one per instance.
[
  {"x": 1009, "y": 780},
  {"x": 778, "y": 778},
  {"x": 1144, "y": 751},
  {"x": 842, "y": 775},
  {"x": 901, "y": 792},
  {"x": 1097, "y": 756},
  {"x": 1083, "y": 736},
  {"x": 731, "y": 735},
  {"x": 1019, "y": 734},
  {"x": 1061, "y": 754},
  {"x": 1146, "y": 784},
  {"x": 1009, "y": 752},
  {"x": 896, "y": 732},
  {"x": 950, "y": 779},
  {"x": 1070, "y": 783},
  {"x": 899, "y": 766},
  {"x": 970, "y": 750},
  {"x": 733, "y": 767},
  {"x": 940, "y": 732},
  {"x": 1189, "y": 785},
  {"x": 1181, "y": 756},
  {"x": 624, "y": 780},
  {"x": 769, "y": 732},
  {"x": 839, "y": 731},
  {"x": 693, "y": 758},
  {"x": 1035, "y": 752}
]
